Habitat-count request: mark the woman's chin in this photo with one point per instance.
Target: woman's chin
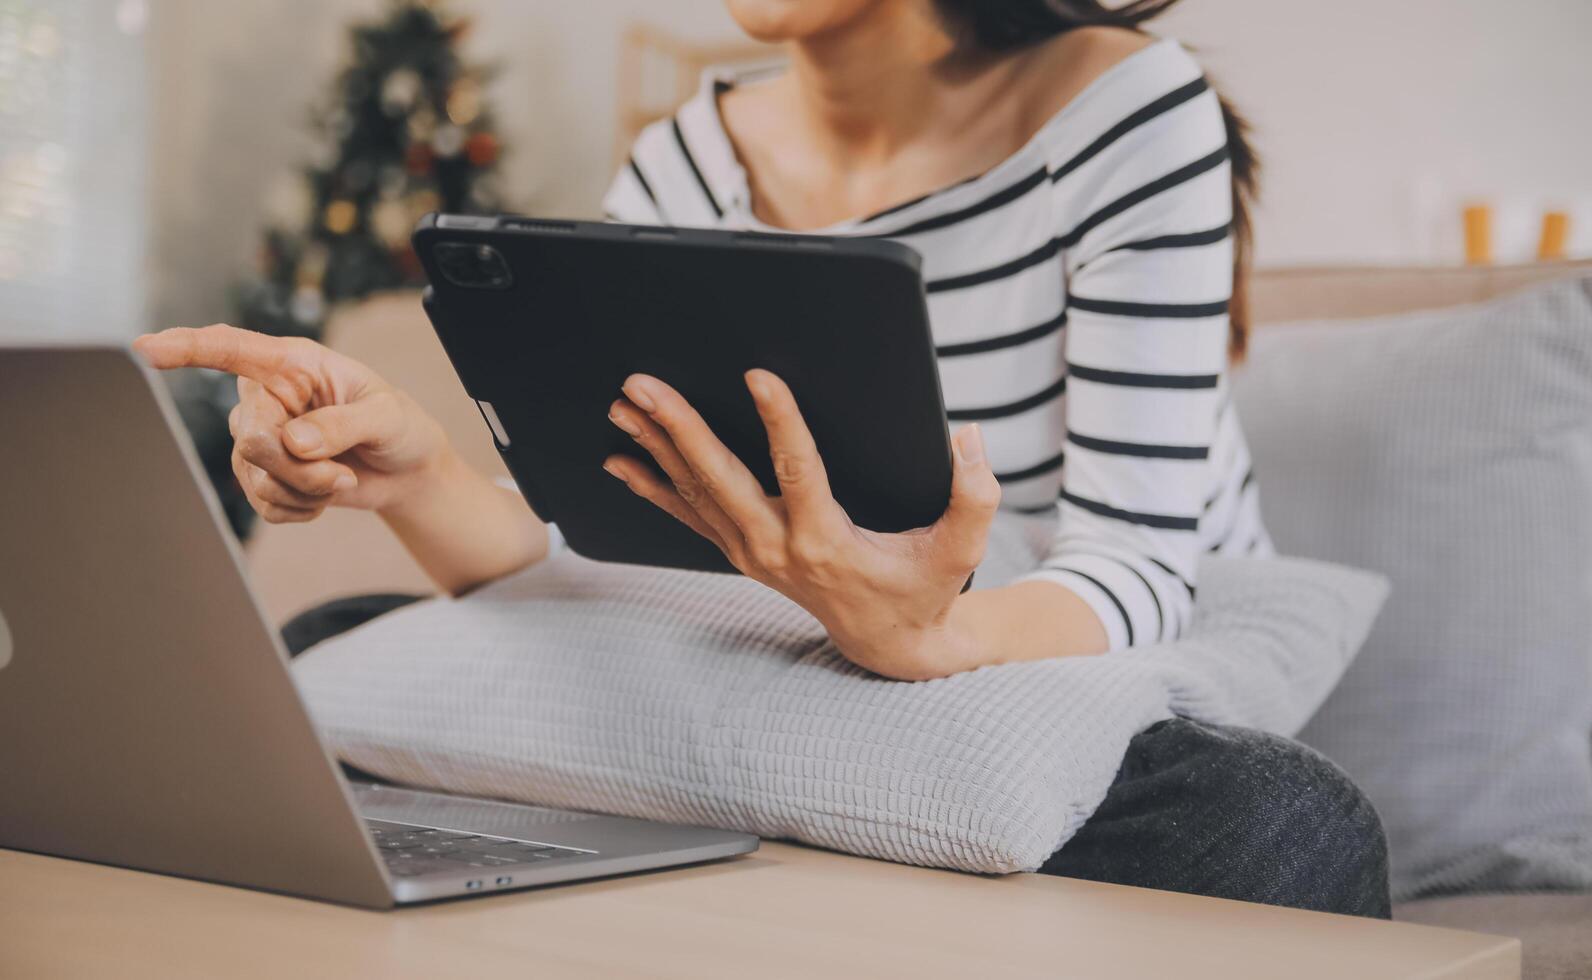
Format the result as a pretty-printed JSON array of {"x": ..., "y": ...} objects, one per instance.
[{"x": 774, "y": 21}]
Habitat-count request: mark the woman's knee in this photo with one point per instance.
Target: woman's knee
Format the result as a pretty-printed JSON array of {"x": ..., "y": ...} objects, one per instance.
[
  {"x": 1298, "y": 815},
  {"x": 338, "y": 616},
  {"x": 1235, "y": 813}
]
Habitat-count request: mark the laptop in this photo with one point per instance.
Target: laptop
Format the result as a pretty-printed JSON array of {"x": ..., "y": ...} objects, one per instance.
[{"x": 148, "y": 718}]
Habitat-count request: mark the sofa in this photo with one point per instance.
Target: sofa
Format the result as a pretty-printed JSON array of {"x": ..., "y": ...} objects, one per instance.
[{"x": 296, "y": 566}]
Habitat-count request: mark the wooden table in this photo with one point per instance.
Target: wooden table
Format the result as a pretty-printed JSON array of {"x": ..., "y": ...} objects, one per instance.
[{"x": 785, "y": 911}]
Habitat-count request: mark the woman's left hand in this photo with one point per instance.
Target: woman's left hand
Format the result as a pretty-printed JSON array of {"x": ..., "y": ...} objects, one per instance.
[{"x": 885, "y": 599}]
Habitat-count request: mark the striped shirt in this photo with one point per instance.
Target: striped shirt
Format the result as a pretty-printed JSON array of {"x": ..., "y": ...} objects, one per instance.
[{"x": 1078, "y": 297}]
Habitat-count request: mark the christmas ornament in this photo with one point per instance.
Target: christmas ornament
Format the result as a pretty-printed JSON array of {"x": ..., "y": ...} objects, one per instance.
[
  {"x": 391, "y": 222},
  {"x": 481, "y": 149},
  {"x": 464, "y": 102},
  {"x": 398, "y": 92},
  {"x": 422, "y": 123},
  {"x": 448, "y": 141},
  {"x": 339, "y": 217}
]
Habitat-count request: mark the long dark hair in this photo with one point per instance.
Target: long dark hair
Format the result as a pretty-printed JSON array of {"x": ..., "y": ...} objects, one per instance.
[{"x": 1003, "y": 25}]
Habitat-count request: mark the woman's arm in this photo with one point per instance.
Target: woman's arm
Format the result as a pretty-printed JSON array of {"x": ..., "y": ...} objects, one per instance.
[
  {"x": 464, "y": 530},
  {"x": 1149, "y": 281},
  {"x": 1026, "y": 620},
  {"x": 314, "y": 429}
]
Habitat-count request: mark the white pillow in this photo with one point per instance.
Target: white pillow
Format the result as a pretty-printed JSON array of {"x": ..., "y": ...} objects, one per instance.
[{"x": 710, "y": 700}]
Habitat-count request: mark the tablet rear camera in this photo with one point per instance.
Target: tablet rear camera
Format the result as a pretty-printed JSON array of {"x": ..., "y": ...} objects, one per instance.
[{"x": 472, "y": 265}]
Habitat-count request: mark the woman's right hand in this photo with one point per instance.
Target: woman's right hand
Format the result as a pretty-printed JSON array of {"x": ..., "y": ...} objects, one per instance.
[{"x": 313, "y": 428}]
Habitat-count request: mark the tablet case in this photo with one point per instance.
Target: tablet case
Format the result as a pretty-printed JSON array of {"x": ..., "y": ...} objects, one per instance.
[{"x": 842, "y": 320}]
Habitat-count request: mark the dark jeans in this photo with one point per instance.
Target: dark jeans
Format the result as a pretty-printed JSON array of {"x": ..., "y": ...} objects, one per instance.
[{"x": 1207, "y": 809}]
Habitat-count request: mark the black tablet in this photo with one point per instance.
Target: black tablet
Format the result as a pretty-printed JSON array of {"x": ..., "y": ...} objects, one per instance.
[{"x": 545, "y": 319}]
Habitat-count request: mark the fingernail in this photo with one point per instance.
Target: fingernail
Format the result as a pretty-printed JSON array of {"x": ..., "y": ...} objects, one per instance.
[
  {"x": 615, "y": 472},
  {"x": 637, "y": 390},
  {"x": 344, "y": 483},
  {"x": 305, "y": 436},
  {"x": 625, "y": 424},
  {"x": 970, "y": 445},
  {"x": 758, "y": 385}
]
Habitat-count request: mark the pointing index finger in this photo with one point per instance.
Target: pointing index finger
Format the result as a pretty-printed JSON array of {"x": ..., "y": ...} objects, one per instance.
[{"x": 219, "y": 347}]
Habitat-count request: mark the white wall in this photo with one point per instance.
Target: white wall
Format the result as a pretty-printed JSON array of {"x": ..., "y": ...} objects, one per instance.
[
  {"x": 1363, "y": 109},
  {"x": 1373, "y": 113}
]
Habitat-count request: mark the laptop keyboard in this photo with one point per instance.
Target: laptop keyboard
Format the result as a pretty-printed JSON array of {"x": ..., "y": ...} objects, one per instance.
[{"x": 410, "y": 851}]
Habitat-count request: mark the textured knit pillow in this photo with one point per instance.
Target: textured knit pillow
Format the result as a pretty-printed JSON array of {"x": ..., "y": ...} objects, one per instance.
[
  {"x": 708, "y": 699},
  {"x": 1452, "y": 451}
]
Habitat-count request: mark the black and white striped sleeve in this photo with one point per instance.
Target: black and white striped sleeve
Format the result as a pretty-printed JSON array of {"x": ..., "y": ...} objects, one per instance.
[{"x": 1149, "y": 269}]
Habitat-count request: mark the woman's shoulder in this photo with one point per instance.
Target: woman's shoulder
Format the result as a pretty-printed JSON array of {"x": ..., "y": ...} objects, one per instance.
[
  {"x": 1105, "y": 79},
  {"x": 1091, "y": 65},
  {"x": 1067, "y": 64}
]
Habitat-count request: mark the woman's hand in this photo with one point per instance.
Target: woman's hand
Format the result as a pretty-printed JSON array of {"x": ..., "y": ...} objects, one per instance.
[
  {"x": 312, "y": 429},
  {"x": 885, "y": 599}
]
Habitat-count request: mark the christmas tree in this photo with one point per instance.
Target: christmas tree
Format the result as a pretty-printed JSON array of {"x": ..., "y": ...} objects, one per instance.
[{"x": 405, "y": 132}]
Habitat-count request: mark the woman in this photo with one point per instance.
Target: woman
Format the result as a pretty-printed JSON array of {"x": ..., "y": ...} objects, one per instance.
[{"x": 1077, "y": 192}]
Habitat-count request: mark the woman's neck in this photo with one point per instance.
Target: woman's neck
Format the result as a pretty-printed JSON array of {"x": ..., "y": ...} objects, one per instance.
[
  {"x": 888, "y": 107},
  {"x": 883, "y": 80}
]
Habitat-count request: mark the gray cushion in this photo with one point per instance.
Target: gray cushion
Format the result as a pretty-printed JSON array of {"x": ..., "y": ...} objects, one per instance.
[
  {"x": 708, "y": 699},
  {"x": 1452, "y": 451}
]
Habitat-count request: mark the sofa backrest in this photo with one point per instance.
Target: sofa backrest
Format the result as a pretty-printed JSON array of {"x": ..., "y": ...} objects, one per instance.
[{"x": 1342, "y": 292}]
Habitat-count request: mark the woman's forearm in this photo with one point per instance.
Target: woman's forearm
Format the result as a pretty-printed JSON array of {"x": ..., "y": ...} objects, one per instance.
[
  {"x": 1032, "y": 620},
  {"x": 465, "y": 530}
]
